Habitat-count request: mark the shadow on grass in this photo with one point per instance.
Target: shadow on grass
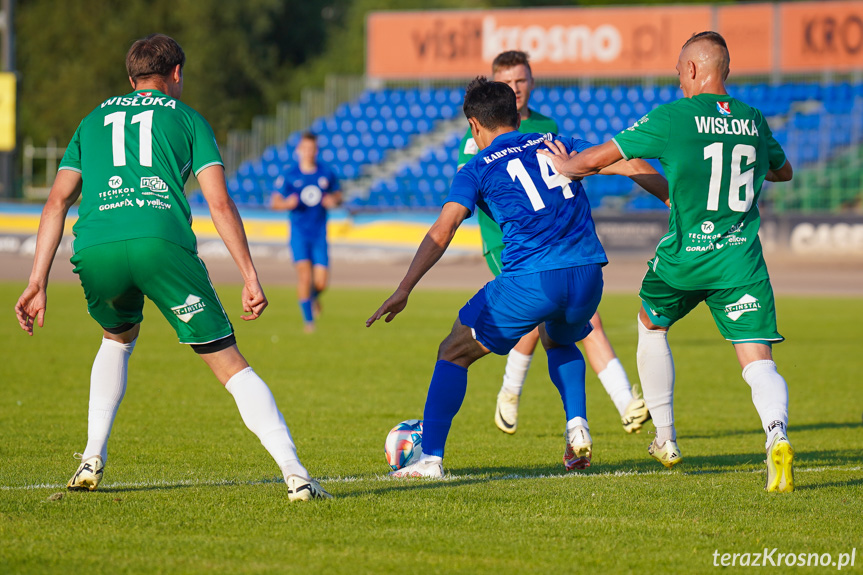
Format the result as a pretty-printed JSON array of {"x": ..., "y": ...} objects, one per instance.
[
  {"x": 809, "y": 486},
  {"x": 460, "y": 476},
  {"x": 187, "y": 485},
  {"x": 792, "y": 428}
]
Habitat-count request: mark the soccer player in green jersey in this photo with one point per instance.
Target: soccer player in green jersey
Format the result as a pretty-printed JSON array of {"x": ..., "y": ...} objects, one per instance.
[
  {"x": 128, "y": 162},
  {"x": 716, "y": 151},
  {"x": 513, "y": 69}
]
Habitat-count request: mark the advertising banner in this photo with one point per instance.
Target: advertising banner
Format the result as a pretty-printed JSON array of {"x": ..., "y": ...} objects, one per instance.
[{"x": 615, "y": 41}]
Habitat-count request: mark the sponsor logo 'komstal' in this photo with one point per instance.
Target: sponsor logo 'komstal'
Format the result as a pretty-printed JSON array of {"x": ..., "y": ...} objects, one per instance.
[{"x": 567, "y": 42}]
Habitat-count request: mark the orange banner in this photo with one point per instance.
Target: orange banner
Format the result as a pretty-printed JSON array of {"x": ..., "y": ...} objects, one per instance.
[
  {"x": 632, "y": 41},
  {"x": 822, "y": 36},
  {"x": 748, "y": 29}
]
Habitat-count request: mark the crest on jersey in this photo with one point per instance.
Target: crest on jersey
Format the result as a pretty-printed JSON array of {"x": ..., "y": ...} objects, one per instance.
[
  {"x": 724, "y": 108},
  {"x": 144, "y": 94}
]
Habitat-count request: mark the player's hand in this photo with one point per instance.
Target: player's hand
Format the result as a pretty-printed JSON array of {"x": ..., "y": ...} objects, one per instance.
[
  {"x": 292, "y": 201},
  {"x": 254, "y": 300},
  {"x": 558, "y": 154},
  {"x": 393, "y": 306},
  {"x": 31, "y": 306}
]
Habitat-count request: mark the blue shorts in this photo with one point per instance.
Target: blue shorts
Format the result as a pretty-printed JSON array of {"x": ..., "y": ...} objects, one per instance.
[
  {"x": 508, "y": 307},
  {"x": 313, "y": 248}
]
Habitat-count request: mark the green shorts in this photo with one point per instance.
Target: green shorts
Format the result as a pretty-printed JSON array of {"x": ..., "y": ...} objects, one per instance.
[
  {"x": 745, "y": 314},
  {"x": 116, "y": 276},
  {"x": 492, "y": 242}
]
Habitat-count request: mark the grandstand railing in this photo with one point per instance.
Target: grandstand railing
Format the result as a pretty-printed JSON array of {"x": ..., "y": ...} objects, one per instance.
[{"x": 818, "y": 120}]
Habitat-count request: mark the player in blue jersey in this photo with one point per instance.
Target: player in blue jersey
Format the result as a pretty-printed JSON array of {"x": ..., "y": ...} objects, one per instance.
[
  {"x": 309, "y": 189},
  {"x": 552, "y": 270}
]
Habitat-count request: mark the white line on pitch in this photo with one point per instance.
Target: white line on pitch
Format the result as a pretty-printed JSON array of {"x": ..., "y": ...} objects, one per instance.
[{"x": 385, "y": 478}]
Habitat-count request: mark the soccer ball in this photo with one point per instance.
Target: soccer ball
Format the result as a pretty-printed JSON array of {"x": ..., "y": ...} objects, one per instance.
[{"x": 404, "y": 443}]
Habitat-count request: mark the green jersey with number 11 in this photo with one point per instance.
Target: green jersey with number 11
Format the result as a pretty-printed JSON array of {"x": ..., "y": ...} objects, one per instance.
[
  {"x": 135, "y": 153},
  {"x": 716, "y": 152}
]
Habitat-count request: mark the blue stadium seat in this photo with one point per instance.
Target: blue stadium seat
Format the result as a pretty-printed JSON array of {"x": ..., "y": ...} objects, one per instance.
[
  {"x": 361, "y": 132},
  {"x": 601, "y": 94},
  {"x": 560, "y": 110}
]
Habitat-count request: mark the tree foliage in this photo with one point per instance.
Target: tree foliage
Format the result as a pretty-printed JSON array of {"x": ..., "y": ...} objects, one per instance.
[{"x": 242, "y": 57}]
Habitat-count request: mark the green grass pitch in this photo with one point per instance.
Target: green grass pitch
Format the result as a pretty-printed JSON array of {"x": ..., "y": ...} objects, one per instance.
[{"x": 189, "y": 489}]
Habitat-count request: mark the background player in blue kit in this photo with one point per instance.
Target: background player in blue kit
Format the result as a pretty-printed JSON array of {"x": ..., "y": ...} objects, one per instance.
[
  {"x": 309, "y": 189},
  {"x": 552, "y": 274}
]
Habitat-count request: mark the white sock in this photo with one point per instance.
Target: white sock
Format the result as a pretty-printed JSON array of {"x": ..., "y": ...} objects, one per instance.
[
  {"x": 656, "y": 372},
  {"x": 575, "y": 422},
  {"x": 769, "y": 394},
  {"x": 107, "y": 388},
  {"x": 430, "y": 459},
  {"x": 517, "y": 365},
  {"x": 616, "y": 384},
  {"x": 260, "y": 414}
]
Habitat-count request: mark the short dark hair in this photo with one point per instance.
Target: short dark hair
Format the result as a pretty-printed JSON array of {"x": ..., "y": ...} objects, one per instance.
[
  {"x": 716, "y": 39},
  {"x": 510, "y": 59},
  {"x": 492, "y": 104},
  {"x": 155, "y": 55},
  {"x": 309, "y": 136}
]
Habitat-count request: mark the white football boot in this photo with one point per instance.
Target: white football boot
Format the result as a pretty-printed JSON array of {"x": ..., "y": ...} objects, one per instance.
[
  {"x": 669, "y": 454},
  {"x": 506, "y": 414},
  {"x": 302, "y": 489},
  {"x": 88, "y": 476},
  {"x": 579, "y": 448},
  {"x": 422, "y": 468}
]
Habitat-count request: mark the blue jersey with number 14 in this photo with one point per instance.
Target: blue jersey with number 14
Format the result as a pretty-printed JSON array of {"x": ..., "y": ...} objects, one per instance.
[{"x": 545, "y": 217}]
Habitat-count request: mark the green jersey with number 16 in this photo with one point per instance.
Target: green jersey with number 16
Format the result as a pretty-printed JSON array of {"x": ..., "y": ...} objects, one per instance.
[
  {"x": 716, "y": 152},
  {"x": 135, "y": 153}
]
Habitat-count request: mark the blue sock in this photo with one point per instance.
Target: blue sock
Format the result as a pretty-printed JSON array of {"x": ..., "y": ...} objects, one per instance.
[
  {"x": 306, "y": 308},
  {"x": 446, "y": 394},
  {"x": 566, "y": 368}
]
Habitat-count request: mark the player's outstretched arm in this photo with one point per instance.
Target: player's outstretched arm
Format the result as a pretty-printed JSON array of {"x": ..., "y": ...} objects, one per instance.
[
  {"x": 583, "y": 164},
  {"x": 642, "y": 174},
  {"x": 32, "y": 303},
  {"x": 229, "y": 225},
  {"x": 433, "y": 246}
]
